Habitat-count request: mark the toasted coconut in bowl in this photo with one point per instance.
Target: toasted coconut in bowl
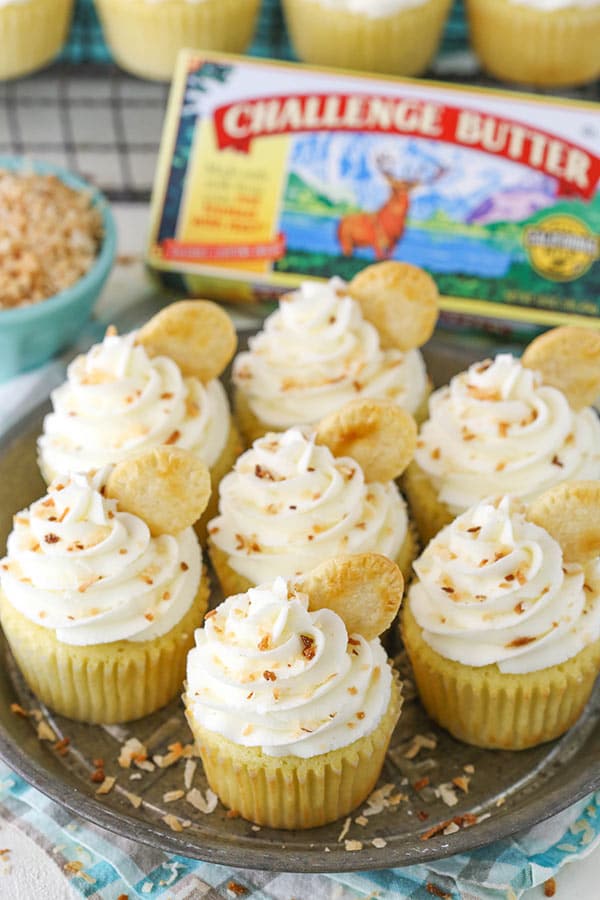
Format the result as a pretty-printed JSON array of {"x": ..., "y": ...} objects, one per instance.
[{"x": 57, "y": 247}]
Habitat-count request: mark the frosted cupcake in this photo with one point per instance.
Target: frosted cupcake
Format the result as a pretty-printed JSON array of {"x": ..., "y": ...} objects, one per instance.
[
  {"x": 498, "y": 428},
  {"x": 98, "y": 611},
  {"x": 145, "y": 36},
  {"x": 290, "y": 503},
  {"x": 502, "y": 633},
  {"x": 396, "y": 37},
  {"x": 123, "y": 397},
  {"x": 321, "y": 349},
  {"x": 549, "y": 43},
  {"x": 292, "y": 712},
  {"x": 32, "y": 33}
]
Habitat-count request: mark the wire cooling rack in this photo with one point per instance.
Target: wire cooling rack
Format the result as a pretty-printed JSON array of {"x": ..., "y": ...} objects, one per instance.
[
  {"x": 92, "y": 119},
  {"x": 86, "y": 114}
]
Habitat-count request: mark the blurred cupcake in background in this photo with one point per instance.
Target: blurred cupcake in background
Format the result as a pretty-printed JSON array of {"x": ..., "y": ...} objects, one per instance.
[
  {"x": 32, "y": 32},
  {"x": 145, "y": 36},
  {"x": 546, "y": 43},
  {"x": 396, "y": 37}
]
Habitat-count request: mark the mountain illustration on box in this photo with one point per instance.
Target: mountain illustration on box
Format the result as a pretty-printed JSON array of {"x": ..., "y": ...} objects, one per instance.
[
  {"x": 498, "y": 219},
  {"x": 305, "y": 198}
]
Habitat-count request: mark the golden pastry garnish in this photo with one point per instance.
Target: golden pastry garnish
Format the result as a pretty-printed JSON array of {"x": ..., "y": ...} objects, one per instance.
[
  {"x": 568, "y": 358},
  {"x": 166, "y": 487},
  {"x": 364, "y": 589},
  {"x": 197, "y": 334},
  {"x": 400, "y": 300},
  {"x": 570, "y": 512},
  {"x": 379, "y": 435}
]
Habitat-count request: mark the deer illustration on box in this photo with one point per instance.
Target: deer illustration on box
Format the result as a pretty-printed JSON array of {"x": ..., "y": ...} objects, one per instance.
[{"x": 382, "y": 229}]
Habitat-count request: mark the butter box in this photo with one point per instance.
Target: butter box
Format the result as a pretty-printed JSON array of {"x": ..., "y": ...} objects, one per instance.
[{"x": 270, "y": 173}]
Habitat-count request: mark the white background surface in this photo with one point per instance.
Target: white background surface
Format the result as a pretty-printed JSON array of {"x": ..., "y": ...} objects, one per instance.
[{"x": 27, "y": 873}]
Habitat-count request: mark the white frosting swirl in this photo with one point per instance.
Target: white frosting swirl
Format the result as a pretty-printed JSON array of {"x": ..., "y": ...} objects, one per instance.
[
  {"x": 267, "y": 673},
  {"x": 496, "y": 428},
  {"x": 93, "y": 574},
  {"x": 118, "y": 401},
  {"x": 289, "y": 504},
  {"x": 316, "y": 353},
  {"x": 493, "y": 588}
]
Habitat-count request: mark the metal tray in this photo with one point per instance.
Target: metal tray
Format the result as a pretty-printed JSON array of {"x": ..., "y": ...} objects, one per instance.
[{"x": 512, "y": 791}]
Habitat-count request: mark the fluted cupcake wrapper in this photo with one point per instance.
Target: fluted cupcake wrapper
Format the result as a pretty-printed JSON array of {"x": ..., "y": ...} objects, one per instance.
[
  {"x": 429, "y": 513},
  {"x": 31, "y": 34},
  {"x": 223, "y": 465},
  {"x": 484, "y": 707},
  {"x": 145, "y": 37},
  {"x": 290, "y": 792},
  {"x": 545, "y": 47},
  {"x": 403, "y": 43},
  {"x": 103, "y": 683}
]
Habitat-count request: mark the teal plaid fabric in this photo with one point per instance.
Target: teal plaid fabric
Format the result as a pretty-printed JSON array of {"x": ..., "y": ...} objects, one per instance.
[
  {"x": 86, "y": 43},
  {"x": 112, "y": 865}
]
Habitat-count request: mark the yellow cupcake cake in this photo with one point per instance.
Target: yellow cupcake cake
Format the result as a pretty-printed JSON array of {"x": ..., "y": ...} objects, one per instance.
[
  {"x": 32, "y": 33},
  {"x": 99, "y": 604},
  {"x": 395, "y": 37},
  {"x": 298, "y": 498},
  {"x": 547, "y": 43},
  {"x": 329, "y": 343},
  {"x": 291, "y": 707},
  {"x": 505, "y": 426},
  {"x": 502, "y": 625},
  {"x": 157, "y": 386},
  {"x": 145, "y": 36}
]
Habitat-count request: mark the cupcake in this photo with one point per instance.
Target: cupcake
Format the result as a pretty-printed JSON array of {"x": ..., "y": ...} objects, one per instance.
[
  {"x": 145, "y": 36},
  {"x": 547, "y": 43},
  {"x": 130, "y": 393},
  {"x": 291, "y": 502},
  {"x": 498, "y": 428},
  {"x": 292, "y": 712},
  {"x": 98, "y": 606},
  {"x": 32, "y": 33},
  {"x": 395, "y": 37},
  {"x": 330, "y": 342},
  {"x": 502, "y": 632}
]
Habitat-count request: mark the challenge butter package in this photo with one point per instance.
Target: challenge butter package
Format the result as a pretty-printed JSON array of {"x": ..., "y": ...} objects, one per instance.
[{"x": 270, "y": 173}]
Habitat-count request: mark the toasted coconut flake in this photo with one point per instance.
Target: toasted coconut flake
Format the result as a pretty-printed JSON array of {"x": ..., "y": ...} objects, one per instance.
[
  {"x": 379, "y": 843},
  {"x": 172, "y": 796},
  {"x": 75, "y": 868},
  {"x": 462, "y": 783},
  {"x": 436, "y": 891},
  {"x": 361, "y": 820},
  {"x": 134, "y": 799},
  {"x": 173, "y": 822},
  {"x": 45, "y": 733},
  {"x": 418, "y": 743},
  {"x": 132, "y": 751},
  {"x": 352, "y": 846},
  {"x": 203, "y": 804},
  {"x": 378, "y": 800},
  {"x": 189, "y": 772},
  {"x": 447, "y": 794},
  {"x": 107, "y": 785},
  {"x": 345, "y": 829}
]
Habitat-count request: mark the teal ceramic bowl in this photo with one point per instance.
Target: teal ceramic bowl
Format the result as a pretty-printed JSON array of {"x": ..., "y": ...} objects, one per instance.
[{"x": 31, "y": 335}]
